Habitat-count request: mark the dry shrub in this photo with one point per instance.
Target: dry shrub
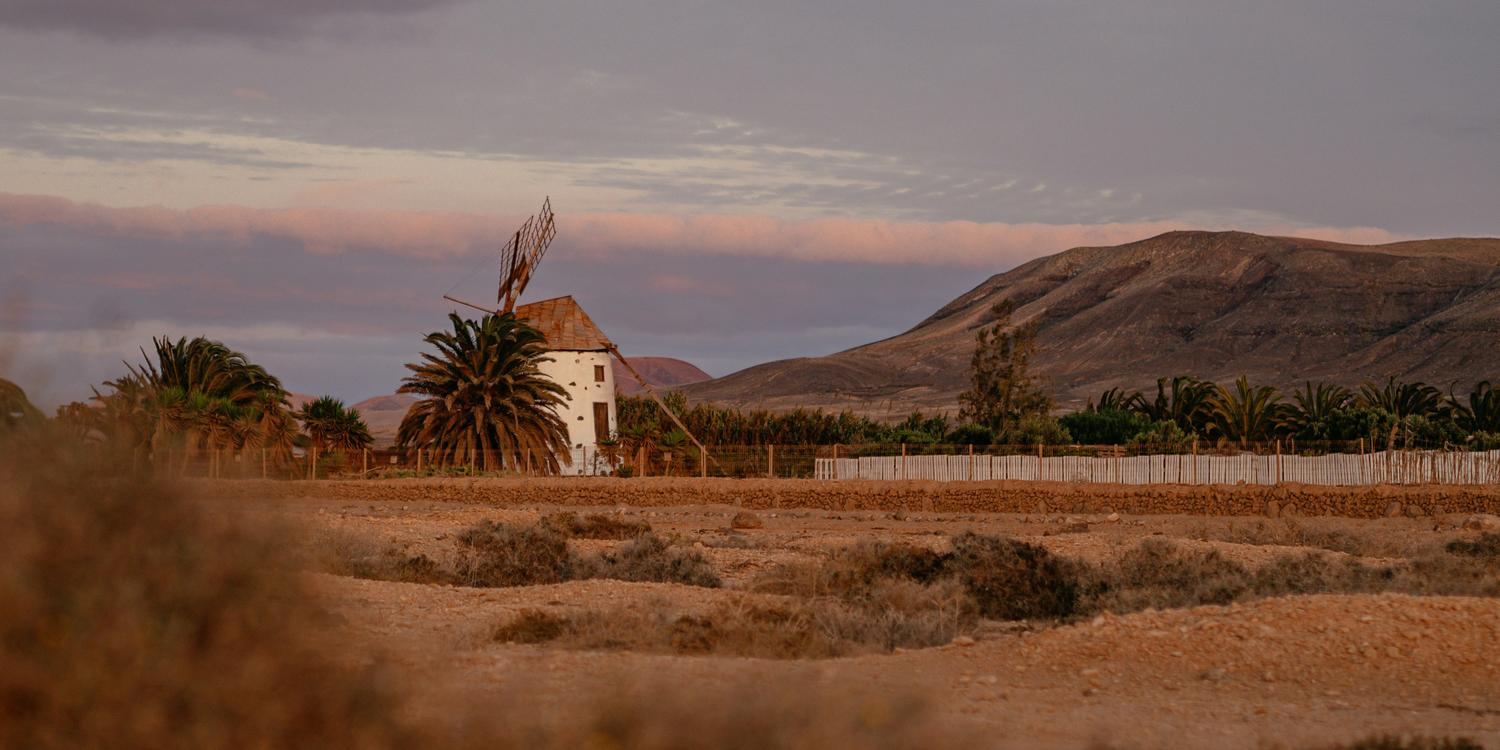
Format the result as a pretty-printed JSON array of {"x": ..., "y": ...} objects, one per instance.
[
  {"x": 850, "y": 573},
  {"x": 1313, "y": 573},
  {"x": 1486, "y": 546},
  {"x": 1411, "y": 743},
  {"x": 344, "y": 554},
  {"x": 778, "y": 714},
  {"x": 1159, "y": 574},
  {"x": 1013, "y": 580},
  {"x": 648, "y": 558},
  {"x": 532, "y": 626},
  {"x": 133, "y": 618},
  {"x": 1288, "y": 532},
  {"x": 497, "y": 554},
  {"x": 1001, "y": 578},
  {"x": 909, "y": 616},
  {"x": 594, "y": 526}
]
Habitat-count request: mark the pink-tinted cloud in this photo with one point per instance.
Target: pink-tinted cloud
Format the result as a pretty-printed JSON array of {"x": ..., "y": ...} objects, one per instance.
[{"x": 439, "y": 234}]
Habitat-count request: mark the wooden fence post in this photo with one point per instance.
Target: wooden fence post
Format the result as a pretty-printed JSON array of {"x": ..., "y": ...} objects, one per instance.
[
  {"x": 770, "y": 460},
  {"x": 1041, "y": 475},
  {"x": 313, "y": 463},
  {"x": 972, "y": 472},
  {"x": 903, "y": 461},
  {"x": 1195, "y": 460},
  {"x": 364, "y": 462},
  {"x": 835, "y": 461},
  {"x": 419, "y": 460}
]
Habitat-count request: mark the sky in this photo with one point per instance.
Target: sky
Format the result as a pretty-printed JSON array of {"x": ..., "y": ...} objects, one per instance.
[{"x": 735, "y": 182}]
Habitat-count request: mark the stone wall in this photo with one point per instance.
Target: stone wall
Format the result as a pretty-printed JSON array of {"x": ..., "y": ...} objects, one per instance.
[{"x": 967, "y": 497}]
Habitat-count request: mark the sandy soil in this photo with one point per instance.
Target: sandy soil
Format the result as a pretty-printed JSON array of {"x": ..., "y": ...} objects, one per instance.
[{"x": 1294, "y": 672}]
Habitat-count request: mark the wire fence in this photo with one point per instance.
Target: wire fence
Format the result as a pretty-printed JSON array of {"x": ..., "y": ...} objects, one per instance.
[{"x": 1266, "y": 463}]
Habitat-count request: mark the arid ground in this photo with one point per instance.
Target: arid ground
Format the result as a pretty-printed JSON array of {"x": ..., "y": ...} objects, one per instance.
[{"x": 1298, "y": 670}]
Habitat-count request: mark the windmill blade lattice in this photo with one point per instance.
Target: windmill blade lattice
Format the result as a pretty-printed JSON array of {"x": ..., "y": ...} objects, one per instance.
[{"x": 520, "y": 256}]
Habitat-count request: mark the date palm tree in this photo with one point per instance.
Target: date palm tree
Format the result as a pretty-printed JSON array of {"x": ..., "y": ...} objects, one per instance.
[
  {"x": 190, "y": 393},
  {"x": 1402, "y": 398},
  {"x": 333, "y": 426},
  {"x": 1243, "y": 414},
  {"x": 482, "y": 392},
  {"x": 1182, "y": 400},
  {"x": 1314, "y": 406},
  {"x": 1480, "y": 412}
]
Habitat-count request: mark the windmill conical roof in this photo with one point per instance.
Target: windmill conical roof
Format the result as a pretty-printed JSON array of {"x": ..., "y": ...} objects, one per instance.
[{"x": 565, "y": 324}]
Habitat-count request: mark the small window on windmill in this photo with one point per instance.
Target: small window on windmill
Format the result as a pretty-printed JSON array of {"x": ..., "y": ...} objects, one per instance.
[{"x": 598, "y": 373}]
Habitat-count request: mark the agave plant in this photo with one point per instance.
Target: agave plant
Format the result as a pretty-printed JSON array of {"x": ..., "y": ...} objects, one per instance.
[
  {"x": 1244, "y": 414},
  {"x": 482, "y": 392}
]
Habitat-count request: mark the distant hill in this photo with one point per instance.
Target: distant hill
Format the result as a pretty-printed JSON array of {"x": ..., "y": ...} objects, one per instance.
[
  {"x": 383, "y": 414},
  {"x": 660, "y": 372},
  {"x": 1210, "y": 304}
]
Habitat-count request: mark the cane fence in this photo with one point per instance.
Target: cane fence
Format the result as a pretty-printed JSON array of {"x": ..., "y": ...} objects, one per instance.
[{"x": 1263, "y": 464}]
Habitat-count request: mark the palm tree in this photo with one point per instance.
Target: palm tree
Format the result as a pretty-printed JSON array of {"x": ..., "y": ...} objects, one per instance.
[
  {"x": 1314, "y": 407},
  {"x": 482, "y": 392},
  {"x": 1182, "y": 400},
  {"x": 1116, "y": 399},
  {"x": 193, "y": 393},
  {"x": 1244, "y": 414},
  {"x": 670, "y": 442},
  {"x": 333, "y": 426},
  {"x": 1481, "y": 413},
  {"x": 1402, "y": 399}
]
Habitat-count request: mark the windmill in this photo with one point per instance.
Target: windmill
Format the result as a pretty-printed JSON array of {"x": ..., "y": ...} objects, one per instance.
[{"x": 571, "y": 326}]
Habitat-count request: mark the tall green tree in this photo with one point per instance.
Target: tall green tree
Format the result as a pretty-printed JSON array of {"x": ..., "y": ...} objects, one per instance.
[
  {"x": 483, "y": 393},
  {"x": 1003, "y": 390}
]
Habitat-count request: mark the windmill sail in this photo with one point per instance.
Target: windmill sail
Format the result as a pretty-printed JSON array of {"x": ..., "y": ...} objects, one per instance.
[{"x": 520, "y": 256}]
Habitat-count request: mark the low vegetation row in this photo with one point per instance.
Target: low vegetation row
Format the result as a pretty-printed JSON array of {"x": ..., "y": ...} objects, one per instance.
[{"x": 881, "y": 596}]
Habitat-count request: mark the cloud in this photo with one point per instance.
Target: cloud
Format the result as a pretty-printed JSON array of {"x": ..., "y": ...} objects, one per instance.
[
  {"x": 437, "y": 235},
  {"x": 120, "y": 19}
]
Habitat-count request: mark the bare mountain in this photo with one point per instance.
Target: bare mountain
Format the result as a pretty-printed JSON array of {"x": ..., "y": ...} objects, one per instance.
[
  {"x": 1210, "y": 304},
  {"x": 660, "y": 372}
]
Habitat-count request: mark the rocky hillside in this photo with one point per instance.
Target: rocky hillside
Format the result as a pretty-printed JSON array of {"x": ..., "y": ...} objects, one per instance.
[{"x": 1211, "y": 304}]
